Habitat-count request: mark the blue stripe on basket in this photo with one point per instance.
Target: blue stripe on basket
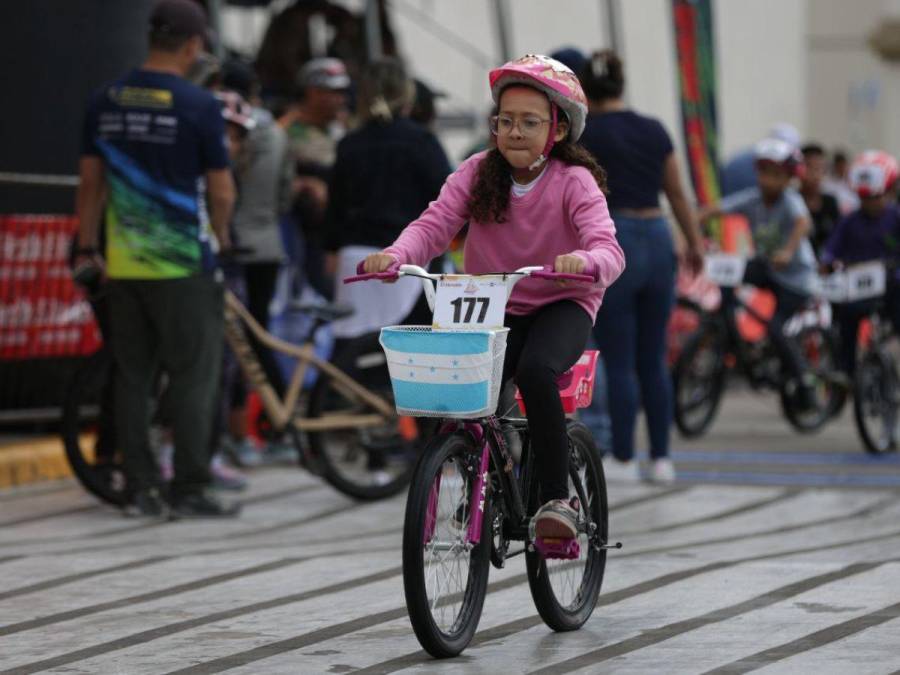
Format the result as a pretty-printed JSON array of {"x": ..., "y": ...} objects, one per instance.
[
  {"x": 429, "y": 342},
  {"x": 448, "y": 398}
]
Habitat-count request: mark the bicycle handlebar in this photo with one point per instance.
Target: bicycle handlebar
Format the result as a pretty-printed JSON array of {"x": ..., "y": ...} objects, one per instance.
[{"x": 396, "y": 271}]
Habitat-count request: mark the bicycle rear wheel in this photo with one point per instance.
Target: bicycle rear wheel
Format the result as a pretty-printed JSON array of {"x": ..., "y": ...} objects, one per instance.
[
  {"x": 876, "y": 402},
  {"x": 698, "y": 380},
  {"x": 444, "y": 577},
  {"x": 88, "y": 431},
  {"x": 565, "y": 591},
  {"x": 365, "y": 463}
]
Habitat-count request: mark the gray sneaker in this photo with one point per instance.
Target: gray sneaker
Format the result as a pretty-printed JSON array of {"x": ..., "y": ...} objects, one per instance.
[
  {"x": 242, "y": 452},
  {"x": 556, "y": 520}
]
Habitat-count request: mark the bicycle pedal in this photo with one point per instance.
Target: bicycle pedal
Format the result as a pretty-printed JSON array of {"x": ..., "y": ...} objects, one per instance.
[{"x": 557, "y": 549}]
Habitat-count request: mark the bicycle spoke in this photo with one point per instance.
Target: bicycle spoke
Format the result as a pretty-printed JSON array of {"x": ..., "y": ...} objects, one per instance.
[{"x": 446, "y": 556}]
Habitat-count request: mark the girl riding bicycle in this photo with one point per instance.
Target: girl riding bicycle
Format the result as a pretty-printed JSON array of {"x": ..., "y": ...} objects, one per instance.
[{"x": 536, "y": 198}]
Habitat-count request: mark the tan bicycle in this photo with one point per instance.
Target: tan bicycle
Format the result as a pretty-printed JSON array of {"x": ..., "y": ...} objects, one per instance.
[{"x": 346, "y": 429}]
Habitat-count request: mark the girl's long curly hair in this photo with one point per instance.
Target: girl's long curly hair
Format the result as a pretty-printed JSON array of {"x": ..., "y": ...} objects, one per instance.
[{"x": 489, "y": 200}]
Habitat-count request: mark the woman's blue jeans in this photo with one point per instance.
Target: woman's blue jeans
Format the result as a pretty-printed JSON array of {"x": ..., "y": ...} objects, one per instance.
[{"x": 631, "y": 332}]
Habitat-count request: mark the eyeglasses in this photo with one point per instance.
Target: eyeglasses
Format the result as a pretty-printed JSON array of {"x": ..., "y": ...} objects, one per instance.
[{"x": 529, "y": 126}]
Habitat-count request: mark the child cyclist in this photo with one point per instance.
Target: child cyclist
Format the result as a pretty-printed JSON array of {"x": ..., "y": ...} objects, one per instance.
[
  {"x": 785, "y": 264},
  {"x": 534, "y": 199},
  {"x": 872, "y": 232}
]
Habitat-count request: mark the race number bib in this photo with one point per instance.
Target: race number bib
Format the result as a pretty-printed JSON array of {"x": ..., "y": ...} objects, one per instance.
[
  {"x": 866, "y": 281},
  {"x": 725, "y": 270},
  {"x": 470, "y": 303},
  {"x": 857, "y": 282},
  {"x": 834, "y": 287}
]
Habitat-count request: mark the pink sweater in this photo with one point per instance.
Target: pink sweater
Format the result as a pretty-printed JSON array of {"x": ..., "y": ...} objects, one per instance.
[{"x": 564, "y": 213}]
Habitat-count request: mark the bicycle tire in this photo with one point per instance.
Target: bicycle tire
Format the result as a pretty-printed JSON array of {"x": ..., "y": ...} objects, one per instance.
[
  {"x": 395, "y": 451},
  {"x": 558, "y": 614},
  {"x": 832, "y": 397},
  {"x": 683, "y": 378},
  {"x": 87, "y": 387},
  {"x": 445, "y": 456},
  {"x": 872, "y": 387}
]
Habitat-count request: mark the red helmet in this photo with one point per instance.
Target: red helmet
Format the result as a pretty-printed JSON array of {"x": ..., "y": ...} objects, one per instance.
[
  {"x": 873, "y": 173},
  {"x": 782, "y": 153}
]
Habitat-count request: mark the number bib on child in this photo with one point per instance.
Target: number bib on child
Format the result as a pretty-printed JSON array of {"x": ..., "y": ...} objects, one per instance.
[
  {"x": 858, "y": 282},
  {"x": 470, "y": 303}
]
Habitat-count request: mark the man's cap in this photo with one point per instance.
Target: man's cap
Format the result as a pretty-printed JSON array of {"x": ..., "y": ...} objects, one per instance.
[
  {"x": 327, "y": 73},
  {"x": 238, "y": 75},
  {"x": 572, "y": 57},
  {"x": 785, "y": 132},
  {"x": 178, "y": 17}
]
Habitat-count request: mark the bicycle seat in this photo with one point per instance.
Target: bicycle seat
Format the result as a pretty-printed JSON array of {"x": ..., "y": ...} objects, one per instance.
[
  {"x": 576, "y": 385},
  {"x": 323, "y": 312}
]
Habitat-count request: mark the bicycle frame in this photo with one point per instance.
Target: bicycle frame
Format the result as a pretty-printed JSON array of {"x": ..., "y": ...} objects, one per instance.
[
  {"x": 489, "y": 440},
  {"x": 282, "y": 412},
  {"x": 486, "y": 433}
]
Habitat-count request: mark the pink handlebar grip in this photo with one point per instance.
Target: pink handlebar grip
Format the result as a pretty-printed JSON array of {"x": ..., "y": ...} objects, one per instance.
[
  {"x": 379, "y": 276},
  {"x": 390, "y": 273}
]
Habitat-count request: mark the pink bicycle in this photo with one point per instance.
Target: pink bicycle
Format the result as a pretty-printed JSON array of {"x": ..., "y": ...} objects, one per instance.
[{"x": 469, "y": 497}]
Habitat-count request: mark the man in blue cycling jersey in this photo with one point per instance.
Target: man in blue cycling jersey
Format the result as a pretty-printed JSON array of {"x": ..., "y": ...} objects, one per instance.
[{"x": 154, "y": 154}]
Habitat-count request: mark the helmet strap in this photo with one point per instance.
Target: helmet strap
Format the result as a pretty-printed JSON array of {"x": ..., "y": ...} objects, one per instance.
[{"x": 551, "y": 138}]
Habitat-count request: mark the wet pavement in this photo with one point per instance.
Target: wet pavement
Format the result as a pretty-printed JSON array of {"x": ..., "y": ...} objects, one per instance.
[{"x": 775, "y": 552}]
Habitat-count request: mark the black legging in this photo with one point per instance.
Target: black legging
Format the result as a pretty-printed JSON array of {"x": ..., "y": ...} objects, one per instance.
[
  {"x": 539, "y": 348},
  {"x": 259, "y": 279}
]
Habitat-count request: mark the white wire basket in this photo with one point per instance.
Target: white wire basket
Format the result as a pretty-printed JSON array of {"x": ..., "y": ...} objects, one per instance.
[{"x": 444, "y": 373}]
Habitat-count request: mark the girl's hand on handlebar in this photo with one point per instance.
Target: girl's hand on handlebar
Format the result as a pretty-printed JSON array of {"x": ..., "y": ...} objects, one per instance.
[
  {"x": 378, "y": 262},
  {"x": 568, "y": 264}
]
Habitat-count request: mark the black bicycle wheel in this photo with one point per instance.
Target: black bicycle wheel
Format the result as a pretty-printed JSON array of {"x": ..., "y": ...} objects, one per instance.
[
  {"x": 698, "y": 380},
  {"x": 819, "y": 352},
  {"x": 565, "y": 591},
  {"x": 876, "y": 402},
  {"x": 88, "y": 431},
  {"x": 444, "y": 577},
  {"x": 365, "y": 463}
]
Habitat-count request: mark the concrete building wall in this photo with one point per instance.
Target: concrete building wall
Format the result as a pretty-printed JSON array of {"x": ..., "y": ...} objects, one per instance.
[
  {"x": 853, "y": 93},
  {"x": 806, "y": 62},
  {"x": 761, "y": 68}
]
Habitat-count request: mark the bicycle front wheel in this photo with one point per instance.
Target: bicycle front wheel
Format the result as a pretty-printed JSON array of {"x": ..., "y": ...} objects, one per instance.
[
  {"x": 876, "y": 402},
  {"x": 88, "y": 431},
  {"x": 444, "y": 576},
  {"x": 565, "y": 591},
  {"x": 698, "y": 380}
]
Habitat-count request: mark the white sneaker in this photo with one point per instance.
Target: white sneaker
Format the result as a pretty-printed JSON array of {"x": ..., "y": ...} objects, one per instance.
[
  {"x": 617, "y": 471},
  {"x": 662, "y": 471}
]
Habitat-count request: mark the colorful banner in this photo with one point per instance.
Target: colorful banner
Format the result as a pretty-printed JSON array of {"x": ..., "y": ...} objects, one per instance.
[
  {"x": 697, "y": 76},
  {"x": 42, "y": 312}
]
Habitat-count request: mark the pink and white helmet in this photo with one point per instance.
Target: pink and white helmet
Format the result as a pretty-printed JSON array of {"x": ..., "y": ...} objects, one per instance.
[
  {"x": 551, "y": 77},
  {"x": 873, "y": 173}
]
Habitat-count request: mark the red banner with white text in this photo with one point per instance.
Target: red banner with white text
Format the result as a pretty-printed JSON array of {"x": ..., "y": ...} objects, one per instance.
[{"x": 42, "y": 312}]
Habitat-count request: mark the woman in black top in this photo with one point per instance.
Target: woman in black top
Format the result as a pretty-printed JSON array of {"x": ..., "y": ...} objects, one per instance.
[
  {"x": 638, "y": 156},
  {"x": 386, "y": 173}
]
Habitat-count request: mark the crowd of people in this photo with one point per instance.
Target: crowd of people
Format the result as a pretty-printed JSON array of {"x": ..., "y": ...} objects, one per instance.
[{"x": 344, "y": 172}]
